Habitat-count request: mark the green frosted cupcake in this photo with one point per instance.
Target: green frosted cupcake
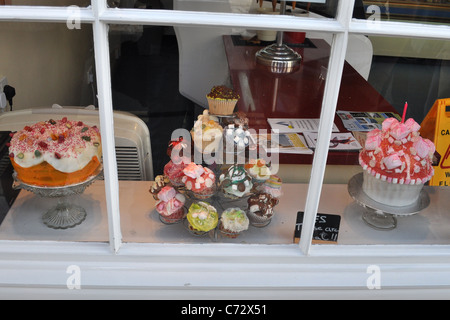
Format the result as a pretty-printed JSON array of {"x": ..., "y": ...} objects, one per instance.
[
  {"x": 202, "y": 217},
  {"x": 232, "y": 222}
]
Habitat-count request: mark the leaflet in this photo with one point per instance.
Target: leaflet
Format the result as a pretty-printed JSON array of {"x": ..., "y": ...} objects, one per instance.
[{"x": 289, "y": 125}]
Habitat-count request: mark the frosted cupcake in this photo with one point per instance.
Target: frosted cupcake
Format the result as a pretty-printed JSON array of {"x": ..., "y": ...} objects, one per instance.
[
  {"x": 160, "y": 182},
  {"x": 235, "y": 182},
  {"x": 174, "y": 172},
  {"x": 272, "y": 186},
  {"x": 202, "y": 217},
  {"x": 396, "y": 162},
  {"x": 232, "y": 222},
  {"x": 258, "y": 170},
  {"x": 222, "y": 100},
  {"x": 170, "y": 205},
  {"x": 260, "y": 209},
  {"x": 236, "y": 138},
  {"x": 207, "y": 133},
  {"x": 199, "y": 180}
]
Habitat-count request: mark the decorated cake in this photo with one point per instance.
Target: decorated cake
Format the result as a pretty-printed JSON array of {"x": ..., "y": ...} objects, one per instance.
[
  {"x": 202, "y": 217},
  {"x": 235, "y": 182},
  {"x": 260, "y": 209},
  {"x": 199, "y": 180},
  {"x": 236, "y": 138},
  {"x": 160, "y": 182},
  {"x": 258, "y": 170},
  {"x": 396, "y": 162},
  {"x": 222, "y": 100},
  {"x": 56, "y": 152},
  {"x": 170, "y": 205},
  {"x": 272, "y": 186},
  {"x": 207, "y": 133},
  {"x": 232, "y": 222}
]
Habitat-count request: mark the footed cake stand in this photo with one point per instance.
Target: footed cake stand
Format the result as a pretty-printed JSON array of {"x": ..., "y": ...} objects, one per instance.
[
  {"x": 378, "y": 215},
  {"x": 64, "y": 214}
]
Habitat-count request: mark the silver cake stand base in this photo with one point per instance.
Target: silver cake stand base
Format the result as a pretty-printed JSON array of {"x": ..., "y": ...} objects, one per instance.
[
  {"x": 64, "y": 214},
  {"x": 378, "y": 215}
]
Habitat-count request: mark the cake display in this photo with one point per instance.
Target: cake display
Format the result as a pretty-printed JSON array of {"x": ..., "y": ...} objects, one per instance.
[
  {"x": 207, "y": 133},
  {"x": 56, "y": 153},
  {"x": 232, "y": 222},
  {"x": 235, "y": 182},
  {"x": 170, "y": 205},
  {"x": 396, "y": 163},
  {"x": 260, "y": 209},
  {"x": 202, "y": 217},
  {"x": 222, "y": 100},
  {"x": 258, "y": 170},
  {"x": 199, "y": 180},
  {"x": 272, "y": 186}
]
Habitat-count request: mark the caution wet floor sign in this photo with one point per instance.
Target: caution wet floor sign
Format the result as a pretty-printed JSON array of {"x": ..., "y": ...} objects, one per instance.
[{"x": 436, "y": 127}]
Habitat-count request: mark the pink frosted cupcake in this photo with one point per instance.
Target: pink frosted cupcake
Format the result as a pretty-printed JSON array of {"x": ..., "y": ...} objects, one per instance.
[
  {"x": 272, "y": 186},
  {"x": 170, "y": 205},
  {"x": 199, "y": 180},
  {"x": 174, "y": 172}
]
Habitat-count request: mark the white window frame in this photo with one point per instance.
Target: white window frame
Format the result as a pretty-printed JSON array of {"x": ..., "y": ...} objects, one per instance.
[{"x": 295, "y": 270}]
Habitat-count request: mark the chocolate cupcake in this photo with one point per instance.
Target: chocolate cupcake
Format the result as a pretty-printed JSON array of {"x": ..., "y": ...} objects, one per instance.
[{"x": 260, "y": 209}]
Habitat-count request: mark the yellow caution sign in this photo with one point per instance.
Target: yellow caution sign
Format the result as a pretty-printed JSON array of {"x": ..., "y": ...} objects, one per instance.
[{"x": 436, "y": 127}]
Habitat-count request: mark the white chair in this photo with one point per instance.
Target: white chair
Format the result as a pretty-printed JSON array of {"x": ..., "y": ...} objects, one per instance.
[{"x": 132, "y": 137}]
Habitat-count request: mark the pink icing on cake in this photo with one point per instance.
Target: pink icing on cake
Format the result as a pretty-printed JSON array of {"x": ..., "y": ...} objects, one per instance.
[
  {"x": 170, "y": 201},
  {"x": 198, "y": 178},
  {"x": 397, "y": 153}
]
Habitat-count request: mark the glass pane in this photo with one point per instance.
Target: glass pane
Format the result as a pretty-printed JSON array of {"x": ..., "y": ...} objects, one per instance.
[
  {"x": 53, "y": 3},
  {"x": 380, "y": 195},
  {"x": 163, "y": 75},
  {"x": 55, "y": 150},
  {"x": 415, "y": 11}
]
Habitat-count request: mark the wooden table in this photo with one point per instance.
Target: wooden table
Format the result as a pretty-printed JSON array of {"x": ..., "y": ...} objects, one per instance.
[{"x": 299, "y": 94}]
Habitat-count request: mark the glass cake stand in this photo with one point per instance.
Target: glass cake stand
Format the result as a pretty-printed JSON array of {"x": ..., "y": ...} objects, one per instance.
[
  {"x": 378, "y": 215},
  {"x": 64, "y": 214}
]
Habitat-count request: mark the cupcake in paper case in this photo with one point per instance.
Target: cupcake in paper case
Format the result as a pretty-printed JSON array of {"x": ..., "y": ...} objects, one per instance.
[
  {"x": 232, "y": 222},
  {"x": 170, "y": 205},
  {"x": 396, "y": 162},
  {"x": 236, "y": 138},
  {"x": 202, "y": 217},
  {"x": 160, "y": 182},
  {"x": 199, "y": 181},
  {"x": 235, "y": 182},
  {"x": 222, "y": 100},
  {"x": 207, "y": 133},
  {"x": 260, "y": 209},
  {"x": 258, "y": 170},
  {"x": 272, "y": 186}
]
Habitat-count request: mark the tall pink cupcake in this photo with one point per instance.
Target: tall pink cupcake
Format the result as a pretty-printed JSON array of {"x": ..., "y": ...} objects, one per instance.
[
  {"x": 170, "y": 205},
  {"x": 199, "y": 180}
]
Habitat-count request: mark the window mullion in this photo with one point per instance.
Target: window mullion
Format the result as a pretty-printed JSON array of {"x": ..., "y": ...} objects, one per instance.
[
  {"x": 330, "y": 98},
  {"x": 102, "y": 65}
]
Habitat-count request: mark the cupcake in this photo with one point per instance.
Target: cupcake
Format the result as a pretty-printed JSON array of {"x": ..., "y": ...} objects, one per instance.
[
  {"x": 170, "y": 205},
  {"x": 238, "y": 118},
  {"x": 174, "y": 172},
  {"x": 207, "y": 133},
  {"x": 222, "y": 100},
  {"x": 235, "y": 182},
  {"x": 236, "y": 138},
  {"x": 258, "y": 170},
  {"x": 272, "y": 186},
  {"x": 260, "y": 209},
  {"x": 396, "y": 163},
  {"x": 232, "y": 222},
  {"x": 199, "y": 180},
  {"x": 202, "y": 217},
  {"x": 160, "y": 182}
]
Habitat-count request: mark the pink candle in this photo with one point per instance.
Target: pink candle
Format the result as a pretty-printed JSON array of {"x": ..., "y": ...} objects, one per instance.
[{"x": 404, "y": 112}]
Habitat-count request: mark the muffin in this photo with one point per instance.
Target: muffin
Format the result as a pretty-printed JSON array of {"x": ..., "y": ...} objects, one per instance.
[
  {"x": 207, "y": 133},
  {"x": 202, "y": 217},
  {"x": 160, "y": 182},
  {"x": 222, "y": 100},
  {"x": 272, "y": 186},
  {"x": 170, "y": 205},
  {"x": 199, "y": 180},
  {"x": 260, "y": 209},
  {"x": 232, "y": 222},
  {"x": 258, "y": 170},
  {"x": 235, "y": 182},
  {"x": 396, "y": 163},
  {"x": 236, "y": 138}
]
